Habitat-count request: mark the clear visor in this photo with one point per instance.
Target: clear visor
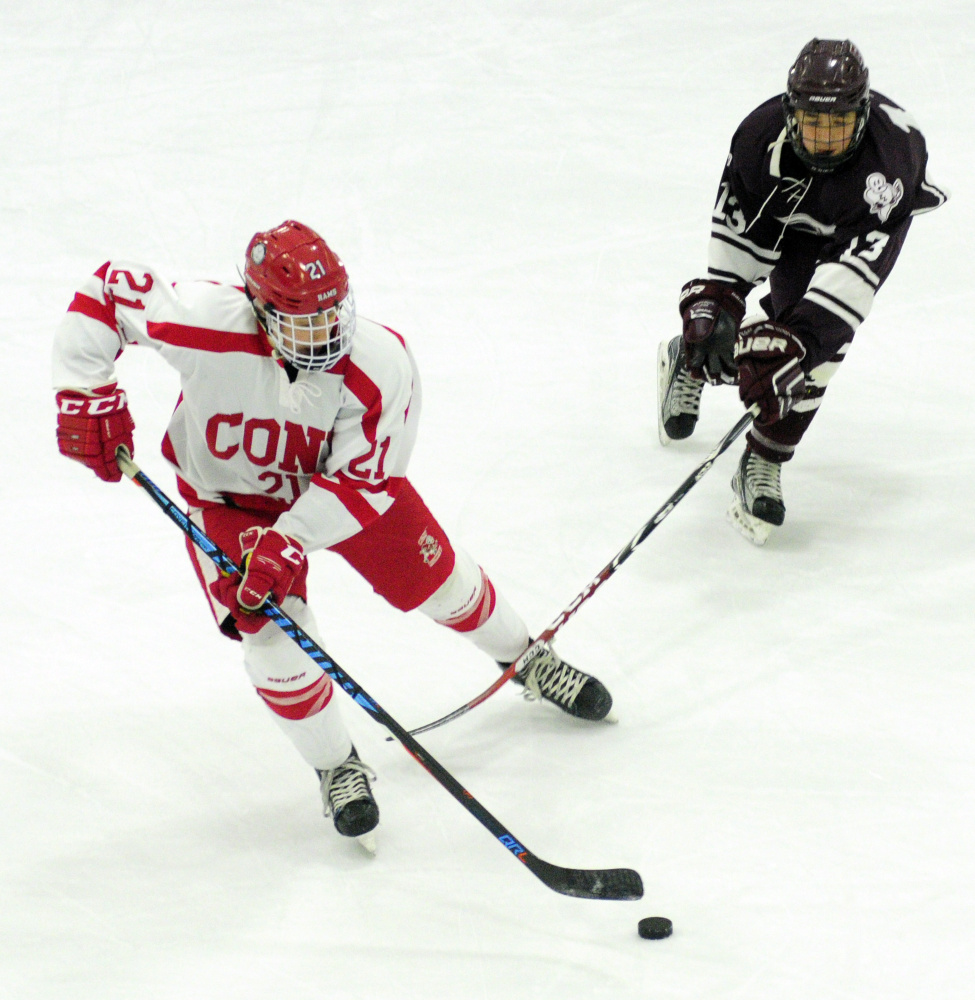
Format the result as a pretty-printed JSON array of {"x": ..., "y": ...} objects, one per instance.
[{"x": 313, "y": 341}]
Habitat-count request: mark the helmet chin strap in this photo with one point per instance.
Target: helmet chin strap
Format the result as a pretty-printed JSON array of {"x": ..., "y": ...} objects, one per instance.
[
  {"x": 262, "y": 326},
  {"x": 276, "y": 356}
]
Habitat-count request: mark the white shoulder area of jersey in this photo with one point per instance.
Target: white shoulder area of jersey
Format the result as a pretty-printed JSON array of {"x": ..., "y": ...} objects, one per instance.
[
  {"x": 377, "y": 351},
  {"x": 213, "y": 305},
  {"x": 142, "y": 293},
  {"x": 131, "y": 283},
  {"x": 900, "y": 117}
]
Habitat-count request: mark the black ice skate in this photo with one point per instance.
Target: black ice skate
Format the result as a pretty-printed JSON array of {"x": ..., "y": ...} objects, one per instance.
[
  {"x": 678, "y": 395},
  {"x": 758, "y": 504},
  {"x": 348, "y": 799},
  {"x": 545, "y": 676}
]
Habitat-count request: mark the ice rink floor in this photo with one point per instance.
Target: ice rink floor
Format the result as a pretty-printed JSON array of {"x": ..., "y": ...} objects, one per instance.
[{"x": 520, "y": 189}]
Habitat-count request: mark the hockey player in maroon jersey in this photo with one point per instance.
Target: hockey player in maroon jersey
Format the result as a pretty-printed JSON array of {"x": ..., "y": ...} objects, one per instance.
[
  {"x": 293, "y": 431},
  {"x": 817, "y": 196}
]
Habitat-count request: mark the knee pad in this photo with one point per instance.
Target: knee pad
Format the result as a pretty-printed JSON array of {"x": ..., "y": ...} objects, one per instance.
[
  {"x": 289, "y": 681},
  {"x": 468, "y": 603},
  {"x": 465, "y": 599}
]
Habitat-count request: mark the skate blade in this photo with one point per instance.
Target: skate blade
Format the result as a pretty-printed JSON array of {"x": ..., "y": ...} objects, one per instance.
[
  {"x": 610, "y": 717},
  {"x": 753, "y": 528},
  {"x": 368, "y": 843},
  {"x": 662, "y": 365}
]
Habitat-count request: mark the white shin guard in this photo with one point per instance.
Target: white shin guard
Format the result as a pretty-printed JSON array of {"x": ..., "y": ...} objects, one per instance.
[
  {"x": 278, "y": 668},
  {"x": 321, "y": 739}
]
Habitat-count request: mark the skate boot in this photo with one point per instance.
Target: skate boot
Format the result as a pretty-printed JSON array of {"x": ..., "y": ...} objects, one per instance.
[
  {"x": 545, "y": 676},
  {"x": 758, "y": 505},
  {"x": 678, "y": 394},
  {"x": 348, "y": 800}
]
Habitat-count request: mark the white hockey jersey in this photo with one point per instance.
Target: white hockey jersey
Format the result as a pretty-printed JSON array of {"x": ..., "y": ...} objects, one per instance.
[{"x": 328, "y": 450}]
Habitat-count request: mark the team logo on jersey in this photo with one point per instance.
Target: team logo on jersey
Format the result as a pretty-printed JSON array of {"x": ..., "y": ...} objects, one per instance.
[
  {"x": 430, "y": 548},
  {"x": 882, "y": 196}
]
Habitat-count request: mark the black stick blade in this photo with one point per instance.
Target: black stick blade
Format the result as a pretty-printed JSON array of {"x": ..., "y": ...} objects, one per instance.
[{"x": 606, "y": 883}]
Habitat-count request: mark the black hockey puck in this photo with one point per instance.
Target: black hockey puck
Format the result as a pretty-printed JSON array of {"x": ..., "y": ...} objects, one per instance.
[{"x": 655, "y": 928}]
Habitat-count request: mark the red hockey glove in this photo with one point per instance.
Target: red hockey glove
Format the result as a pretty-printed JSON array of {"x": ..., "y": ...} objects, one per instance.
[
  {"x": 91, "y": 425},
  {"x": 769, "y": 370},
  {"x": 712, "y": 312},
  {"x": 271, "y": 562}
]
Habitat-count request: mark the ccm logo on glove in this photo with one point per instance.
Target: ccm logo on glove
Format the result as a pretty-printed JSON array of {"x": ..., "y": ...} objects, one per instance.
[
  {"x": 92, "y": 423},
  {"x": 95, "y": 406}
]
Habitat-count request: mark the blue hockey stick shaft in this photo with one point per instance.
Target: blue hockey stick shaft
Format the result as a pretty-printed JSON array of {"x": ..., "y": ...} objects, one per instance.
[{"x": 611, "y": 883}]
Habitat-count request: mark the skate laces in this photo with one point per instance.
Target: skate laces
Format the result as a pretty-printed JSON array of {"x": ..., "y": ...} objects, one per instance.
[
  {"x": 764, "y": 477},
  {"x": 548, "y": 677},
  {"x": 685, "y": 393},
  {"x": 346, "y": 783}
]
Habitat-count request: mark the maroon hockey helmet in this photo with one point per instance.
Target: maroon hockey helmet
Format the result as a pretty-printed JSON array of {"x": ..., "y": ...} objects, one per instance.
[
  {"x": 300, "y": 291},
  {"x": 828, "y": 77}
]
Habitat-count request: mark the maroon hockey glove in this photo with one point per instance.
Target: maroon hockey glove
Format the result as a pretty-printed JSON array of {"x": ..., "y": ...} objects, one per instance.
[
  {"x": 769, "y": 370},
  {"x": 712, "y": 312},
  {"x": 271, "y": 562},
  {"x": 91, "y": 425}
]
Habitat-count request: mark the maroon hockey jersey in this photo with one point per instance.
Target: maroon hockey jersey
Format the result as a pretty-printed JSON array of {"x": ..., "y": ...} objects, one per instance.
[{"x": 825, "y": 241}]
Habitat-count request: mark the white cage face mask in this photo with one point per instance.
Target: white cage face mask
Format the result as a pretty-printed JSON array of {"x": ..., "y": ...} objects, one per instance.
[{"x": 313, "y": 341}]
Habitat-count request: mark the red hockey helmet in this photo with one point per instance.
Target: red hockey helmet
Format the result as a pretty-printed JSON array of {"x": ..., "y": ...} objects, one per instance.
[{"x": 300, "y": 291}]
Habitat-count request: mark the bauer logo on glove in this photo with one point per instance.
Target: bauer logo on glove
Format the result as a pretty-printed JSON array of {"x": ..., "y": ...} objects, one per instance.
[
  {"x": 763, "y": 343},
  {"x": 712, "y": 312},
  {"x": 770, "y": 373}
]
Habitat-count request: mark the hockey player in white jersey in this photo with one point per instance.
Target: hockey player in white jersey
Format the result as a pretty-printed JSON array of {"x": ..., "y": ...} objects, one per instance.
[{"x": 293, "y": 432}]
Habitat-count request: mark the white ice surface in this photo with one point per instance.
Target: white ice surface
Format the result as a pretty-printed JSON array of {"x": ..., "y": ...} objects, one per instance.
[{"x": 520, "y": 188}]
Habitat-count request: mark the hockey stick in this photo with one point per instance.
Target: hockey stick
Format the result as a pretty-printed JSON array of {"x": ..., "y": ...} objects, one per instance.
[
  {"x": 604, "y": 574},
  {"x": 610, "y": 883}
]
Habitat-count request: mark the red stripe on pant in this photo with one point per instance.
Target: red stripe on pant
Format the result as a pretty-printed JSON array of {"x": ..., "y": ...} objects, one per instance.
[
  {"x": 299, "y": 704},
  {"x": 474, "y": 618}
]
